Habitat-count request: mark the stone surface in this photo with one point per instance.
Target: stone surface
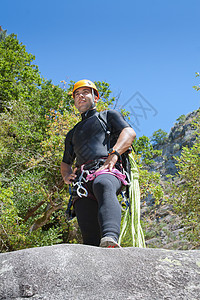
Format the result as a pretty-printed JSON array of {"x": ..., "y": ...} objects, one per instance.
[{"x": 84, "y": 272}]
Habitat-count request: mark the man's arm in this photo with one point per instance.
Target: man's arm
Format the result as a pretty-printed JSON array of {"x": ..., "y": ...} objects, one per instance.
[
  {"x": 125, "y": 140},
  {"x": 68, "y": 174},
  {"x": 123, "y": 143}
]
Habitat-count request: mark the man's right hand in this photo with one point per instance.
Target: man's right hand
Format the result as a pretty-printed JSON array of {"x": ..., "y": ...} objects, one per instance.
[
  {"x": 69, "y": 178},
  {"x": 68, "y": 174}
]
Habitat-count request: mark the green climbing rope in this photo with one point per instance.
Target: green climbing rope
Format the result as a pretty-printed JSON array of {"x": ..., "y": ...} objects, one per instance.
[{"x": 131, "y": 226}]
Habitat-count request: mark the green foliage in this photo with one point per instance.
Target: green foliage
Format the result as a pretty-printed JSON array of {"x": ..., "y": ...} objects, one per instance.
[
  {"x": 18, "y": 76},
  {"x": 159, "y": 137},
  {"x": 181, "y": 119},
  {"x": 104, "y": 94},
  {"x": 144, "y": 148},
  {"x": 197, "y": 87},
  {"x": 21, "y": 84},
  {"x": 14, "y": 233},
  {"x": 186, "y": 189},
  {"x": 150, "y": 184},
  {"x": 9, "y": 219}
]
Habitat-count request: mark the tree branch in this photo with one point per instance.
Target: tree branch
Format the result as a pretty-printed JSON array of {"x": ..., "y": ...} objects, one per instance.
[
  {"x": 32, "y": 210},
  {"x": 45, "y": 218}
]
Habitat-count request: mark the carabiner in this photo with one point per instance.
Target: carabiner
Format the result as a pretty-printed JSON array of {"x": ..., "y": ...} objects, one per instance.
[
  {"x": 87, "y": 173},
  {"x": 127, "y": 177},
  {"x": 81, "y": 194},
  {"x": 80, "y": 190}
]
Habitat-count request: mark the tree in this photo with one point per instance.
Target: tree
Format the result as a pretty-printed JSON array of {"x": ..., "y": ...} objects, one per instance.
[
  {"x": 144, "y": 148},
  {"x": 18, "y": 76},
  {"x": 159, "y": 137}
]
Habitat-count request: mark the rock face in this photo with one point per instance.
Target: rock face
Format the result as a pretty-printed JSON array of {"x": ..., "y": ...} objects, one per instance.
[
  {"x": 84, "y": 272},
  {"x": 163, "y": 229},
  {"x": 181, "y": 134}
]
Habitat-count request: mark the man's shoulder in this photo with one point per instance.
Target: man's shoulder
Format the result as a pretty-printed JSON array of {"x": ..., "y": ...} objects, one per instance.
[
  {"x": 109, "y": 112},
  {"x": 71, "y": 131},
  {"x": 110, "y": 115},
  {"x": 114, "y": 114}
]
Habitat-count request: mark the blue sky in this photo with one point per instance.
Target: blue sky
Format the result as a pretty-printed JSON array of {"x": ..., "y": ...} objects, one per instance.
[{"x": 147, "y": 50}]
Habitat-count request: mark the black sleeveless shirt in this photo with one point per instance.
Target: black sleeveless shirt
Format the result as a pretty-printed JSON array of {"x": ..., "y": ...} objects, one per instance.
[{"x": 87, "y": 140}]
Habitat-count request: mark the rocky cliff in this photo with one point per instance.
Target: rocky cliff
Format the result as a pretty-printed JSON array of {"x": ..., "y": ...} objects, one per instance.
[
  {"x": 181, "y": 134},
  {"x": 163, "y": 229}
]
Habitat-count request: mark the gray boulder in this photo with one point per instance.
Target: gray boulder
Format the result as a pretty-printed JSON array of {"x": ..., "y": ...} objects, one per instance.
[{"x": 85, "y": 272}]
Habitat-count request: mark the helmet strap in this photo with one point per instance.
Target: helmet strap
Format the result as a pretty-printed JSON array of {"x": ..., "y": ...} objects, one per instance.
[{"x": 93, "y": 103}]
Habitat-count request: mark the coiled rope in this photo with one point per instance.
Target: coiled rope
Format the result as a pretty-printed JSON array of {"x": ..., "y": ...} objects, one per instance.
[{"x": 131, "y": 220}]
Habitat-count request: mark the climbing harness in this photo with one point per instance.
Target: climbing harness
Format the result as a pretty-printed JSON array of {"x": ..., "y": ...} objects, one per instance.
[
  {"x": 114, "y": 172},
  {"x": 89, "y": 175}
]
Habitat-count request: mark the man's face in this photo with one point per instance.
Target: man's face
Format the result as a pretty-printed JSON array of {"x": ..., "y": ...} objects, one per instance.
[{"x": 83, "y": 99}]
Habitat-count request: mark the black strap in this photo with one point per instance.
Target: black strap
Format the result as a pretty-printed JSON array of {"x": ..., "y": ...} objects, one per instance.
[{"x": 102, "y": 117}]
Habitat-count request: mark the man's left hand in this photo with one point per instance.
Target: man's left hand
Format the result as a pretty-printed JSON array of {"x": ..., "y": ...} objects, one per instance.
[{"x": 109, "y": 163}]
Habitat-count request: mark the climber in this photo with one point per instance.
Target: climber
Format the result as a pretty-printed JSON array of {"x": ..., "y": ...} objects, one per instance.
[{"x": 98, "y": 174}]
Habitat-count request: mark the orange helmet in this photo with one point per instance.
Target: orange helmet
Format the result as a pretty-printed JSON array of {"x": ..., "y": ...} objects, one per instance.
[{"x": 87, "y": 83}]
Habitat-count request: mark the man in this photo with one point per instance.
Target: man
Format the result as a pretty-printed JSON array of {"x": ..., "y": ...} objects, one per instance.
[{"x": 97, "y": 154}]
